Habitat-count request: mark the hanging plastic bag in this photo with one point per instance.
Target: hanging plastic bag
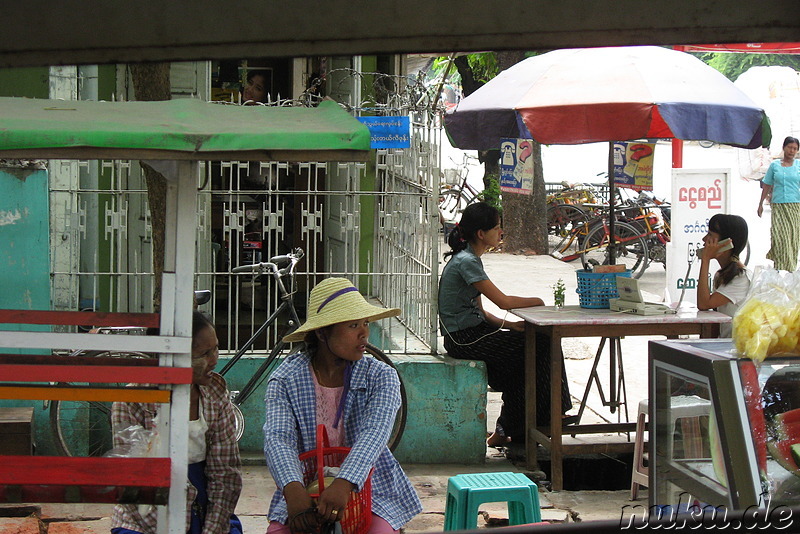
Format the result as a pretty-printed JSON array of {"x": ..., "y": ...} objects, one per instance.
[
  {"x": 135, "y": 442},
  {"x": 768, "y": 322}
]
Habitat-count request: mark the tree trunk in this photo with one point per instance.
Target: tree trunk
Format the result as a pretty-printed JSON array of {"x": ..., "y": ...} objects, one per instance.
[
  {"x": 151, "y": 82},
  {"x": 524, "y": 221},
  {"x": 524, "y": 225}
]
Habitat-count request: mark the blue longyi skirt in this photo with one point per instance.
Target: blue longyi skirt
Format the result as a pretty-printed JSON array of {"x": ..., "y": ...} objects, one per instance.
[{"x": 197, "y": 476}]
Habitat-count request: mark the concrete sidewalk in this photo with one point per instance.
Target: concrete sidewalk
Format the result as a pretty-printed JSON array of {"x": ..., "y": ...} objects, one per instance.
[
  {"x": 513, "y": 274},
  {"x": 430, "y": 482}
]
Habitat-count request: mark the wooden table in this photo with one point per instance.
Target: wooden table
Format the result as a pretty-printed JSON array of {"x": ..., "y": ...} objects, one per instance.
[{"x": 574, "y": 321}]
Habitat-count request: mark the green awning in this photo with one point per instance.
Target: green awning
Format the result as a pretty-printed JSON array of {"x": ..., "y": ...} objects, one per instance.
[{"x": 184, "y": 129}]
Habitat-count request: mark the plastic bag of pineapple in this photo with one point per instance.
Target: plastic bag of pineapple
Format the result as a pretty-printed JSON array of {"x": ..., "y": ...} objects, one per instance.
[{"x": 768, "y": 322}]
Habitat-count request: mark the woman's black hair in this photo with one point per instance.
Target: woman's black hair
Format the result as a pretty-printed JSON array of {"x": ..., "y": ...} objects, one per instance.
[
  {"x": 257, "y": 72},
  {"x": 200, "y": 320},
  {"x": 478, "y": 216},
  {"x": 789, "y": 139},
  {"x": 735, "y": 228}
]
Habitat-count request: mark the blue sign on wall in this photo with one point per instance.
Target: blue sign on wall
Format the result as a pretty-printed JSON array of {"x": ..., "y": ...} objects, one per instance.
[{"x": 388, "y": 132}]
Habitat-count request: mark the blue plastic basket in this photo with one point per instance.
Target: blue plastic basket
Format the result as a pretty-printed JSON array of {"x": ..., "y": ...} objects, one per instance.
[{"x": 594, "y": 289}]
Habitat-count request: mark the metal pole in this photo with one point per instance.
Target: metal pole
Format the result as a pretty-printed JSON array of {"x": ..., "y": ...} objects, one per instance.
[{"x": 612, "y": 256}]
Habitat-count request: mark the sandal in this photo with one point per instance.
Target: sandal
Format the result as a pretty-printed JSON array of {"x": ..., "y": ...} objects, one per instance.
[
  {"x": 569, "y": 420},
  {"x": 497, "y": 441}
]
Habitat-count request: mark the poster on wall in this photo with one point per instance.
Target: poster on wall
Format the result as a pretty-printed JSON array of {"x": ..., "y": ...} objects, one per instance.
[
  {"x": 697, "y": 195},
  {"x": 633, "y": 165},
  {"x": 516, "y": 166}
]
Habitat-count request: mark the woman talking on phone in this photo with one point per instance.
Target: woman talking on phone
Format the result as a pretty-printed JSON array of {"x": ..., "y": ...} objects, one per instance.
[{"x": 732, "y": 281}]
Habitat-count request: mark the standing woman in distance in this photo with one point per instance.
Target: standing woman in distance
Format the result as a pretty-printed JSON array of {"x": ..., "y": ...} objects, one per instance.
[
  {"x": 732, "y": 280},
  {"x": 471, "y": 333},
  {"x": 781, "y": 185}
]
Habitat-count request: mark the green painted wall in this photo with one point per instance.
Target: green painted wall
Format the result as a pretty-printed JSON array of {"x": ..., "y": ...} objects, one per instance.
[
  {"x": 24, "y": 245},
  {"x": 446, "y": 409},
  {"x": 33, "y": 82},
  {"x": 446, "y": 420},
  {"x": 25, "y": 264}
]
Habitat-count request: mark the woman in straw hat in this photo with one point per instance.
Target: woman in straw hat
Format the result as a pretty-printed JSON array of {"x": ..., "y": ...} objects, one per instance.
[{"x": 356, "y": 398}]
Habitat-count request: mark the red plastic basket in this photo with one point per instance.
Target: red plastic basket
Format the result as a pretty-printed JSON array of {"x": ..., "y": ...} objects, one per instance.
[{"x": 357, "y": 515}]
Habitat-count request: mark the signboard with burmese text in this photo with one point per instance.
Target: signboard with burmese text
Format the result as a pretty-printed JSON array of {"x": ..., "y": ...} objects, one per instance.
[{"x": 697, "y": 195}]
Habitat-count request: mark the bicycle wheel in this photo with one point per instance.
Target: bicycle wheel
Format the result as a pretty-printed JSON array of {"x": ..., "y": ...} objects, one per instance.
[
  {"x": 564, "y": 224},
  {"x": 452, "y": 202},
  {"x": 402, "y": 412},
  {"x": 238, "y": 417},
  {"x": 270, "y": 363},
  {"x": 83, "y": 428},
  {"x": 630, "y": 248}
]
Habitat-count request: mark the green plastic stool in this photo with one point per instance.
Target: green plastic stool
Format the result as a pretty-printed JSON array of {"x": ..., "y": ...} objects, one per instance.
[{"x": 465, "y": 494}]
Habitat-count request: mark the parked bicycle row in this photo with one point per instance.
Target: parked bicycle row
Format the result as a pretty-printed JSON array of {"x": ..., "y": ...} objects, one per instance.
[{"x": 582, "y": 230}]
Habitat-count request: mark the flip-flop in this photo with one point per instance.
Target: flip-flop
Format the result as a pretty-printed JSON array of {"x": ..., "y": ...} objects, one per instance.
[
  {"x": 569, "y": 420},
  {"x": 497, "y": 446}
]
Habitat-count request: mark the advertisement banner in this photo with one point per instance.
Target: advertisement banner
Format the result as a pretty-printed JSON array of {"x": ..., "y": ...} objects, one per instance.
[
  {"x": 633, "y": 165},
  {"x": 697, "y": 195},
  {"x": 516, "y": 166},
  {"x": 388, "y": 132}
]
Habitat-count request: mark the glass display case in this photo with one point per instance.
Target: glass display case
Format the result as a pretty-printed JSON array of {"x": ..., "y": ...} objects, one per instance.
[{"x": 723, "y": 431}]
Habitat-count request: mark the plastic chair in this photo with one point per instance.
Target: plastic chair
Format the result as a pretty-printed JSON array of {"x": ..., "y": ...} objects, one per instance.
[
  {"x": 689, "y": 407},
  {"x": 465, "y": 494}
]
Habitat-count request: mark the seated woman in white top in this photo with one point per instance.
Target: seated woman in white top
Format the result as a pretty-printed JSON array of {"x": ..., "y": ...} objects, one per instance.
[{"x": 732, "y": 280}]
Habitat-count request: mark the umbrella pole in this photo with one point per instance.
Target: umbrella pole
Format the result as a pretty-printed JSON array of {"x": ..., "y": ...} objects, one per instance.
[{"x": 612, "y": 256}]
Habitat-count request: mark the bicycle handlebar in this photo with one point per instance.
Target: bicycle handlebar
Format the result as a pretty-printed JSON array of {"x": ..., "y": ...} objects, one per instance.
[{"x": 275, "y": 264}]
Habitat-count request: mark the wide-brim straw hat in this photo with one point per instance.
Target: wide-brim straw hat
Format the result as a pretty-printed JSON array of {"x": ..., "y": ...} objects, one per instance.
[{"x": 336, "y": 300}]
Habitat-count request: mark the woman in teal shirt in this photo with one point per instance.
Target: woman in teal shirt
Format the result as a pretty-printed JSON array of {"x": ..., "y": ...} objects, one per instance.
[
  {"x": 781, "y": 186},
  {"x": 471, "y": 333}
]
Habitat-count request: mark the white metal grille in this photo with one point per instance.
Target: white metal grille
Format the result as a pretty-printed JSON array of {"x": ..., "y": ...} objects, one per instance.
[
  {"x": 376, "y": 224},
  {"x": 249, "y": 212}
]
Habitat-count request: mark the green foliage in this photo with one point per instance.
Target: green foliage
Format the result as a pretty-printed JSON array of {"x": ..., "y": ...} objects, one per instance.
[
  {"x": 483, "y": 65},
  {"x": 558, "y": 292},
  {"x": 437, "y": 70},
  {"x": 491, "y": 191},
  {"x": 733, "y": 64}
]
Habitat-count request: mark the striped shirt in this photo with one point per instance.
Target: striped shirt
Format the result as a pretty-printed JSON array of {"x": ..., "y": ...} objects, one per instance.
[
  {"x": 223, "y": 465},
  {"x": 369, "y": 412}
]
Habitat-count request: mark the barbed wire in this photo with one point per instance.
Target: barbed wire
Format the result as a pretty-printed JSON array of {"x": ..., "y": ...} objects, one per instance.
[{"x": 391, "y": 94}]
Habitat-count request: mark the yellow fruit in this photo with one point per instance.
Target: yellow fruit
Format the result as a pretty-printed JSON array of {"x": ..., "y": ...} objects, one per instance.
[{"x": 761, "y": 329}]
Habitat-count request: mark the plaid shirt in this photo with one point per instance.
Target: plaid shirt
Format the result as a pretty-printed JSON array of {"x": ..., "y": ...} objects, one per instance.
[
  {"x": 223, "y": 465},
  {"x": 372, "y": 402}
]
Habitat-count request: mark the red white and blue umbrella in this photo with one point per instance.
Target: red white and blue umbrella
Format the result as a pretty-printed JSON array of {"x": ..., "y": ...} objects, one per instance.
[{"x": 589, "y": 95}]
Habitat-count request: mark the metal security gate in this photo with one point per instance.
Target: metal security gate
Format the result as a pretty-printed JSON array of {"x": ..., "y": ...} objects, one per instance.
[
  {"x": 375, "y": 223},
  {"x": 381, "y": 236}
]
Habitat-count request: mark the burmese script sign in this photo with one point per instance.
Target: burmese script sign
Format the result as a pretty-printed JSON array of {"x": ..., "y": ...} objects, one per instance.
[
  {"x": 697, "y": 195},
  {"x": 388, "y": 132}
]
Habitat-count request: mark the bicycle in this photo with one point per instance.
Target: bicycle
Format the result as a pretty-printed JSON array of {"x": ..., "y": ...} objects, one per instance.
[
  {"x": 456, "y": 193},
  {"x": 95, "y": 426},
  {"x": 565, "y": 222},
  {"x": 588, "y": 239},
  {"x": 573, "y": 193},
  {"x": 83, "y": 428},
  {"x": 282, "y": 270}
]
